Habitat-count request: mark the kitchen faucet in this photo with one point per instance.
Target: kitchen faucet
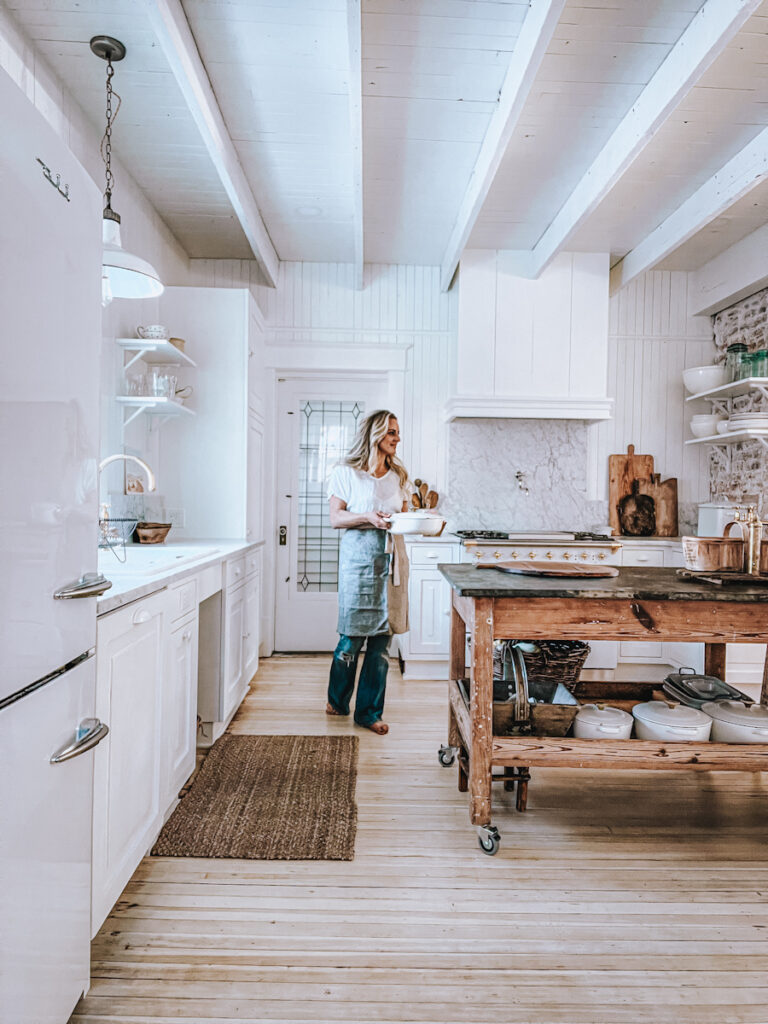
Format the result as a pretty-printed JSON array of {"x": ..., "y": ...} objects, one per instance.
[{"x": 104, "y": 509}]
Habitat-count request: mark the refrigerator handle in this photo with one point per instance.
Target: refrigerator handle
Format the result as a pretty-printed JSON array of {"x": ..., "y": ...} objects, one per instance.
[
  {"x": 90, "y": 732},
  {"x": 91, "y": 584}
]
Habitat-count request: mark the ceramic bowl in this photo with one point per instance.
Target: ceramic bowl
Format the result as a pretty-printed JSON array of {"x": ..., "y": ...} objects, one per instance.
[
  {"x": 722, "y": 427},
  {"x": 704, "y": 378},
  {"x": 417, "y": 521},
  {"x": 153, "y": 332},
  {"x": 704, "y": 426}
]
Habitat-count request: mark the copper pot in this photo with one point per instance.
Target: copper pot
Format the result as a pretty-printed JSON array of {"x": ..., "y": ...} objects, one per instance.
[{"x": 705, "y": 554}]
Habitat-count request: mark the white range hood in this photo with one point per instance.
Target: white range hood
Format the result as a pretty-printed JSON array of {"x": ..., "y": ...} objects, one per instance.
[{"x": 532, "y": 349}]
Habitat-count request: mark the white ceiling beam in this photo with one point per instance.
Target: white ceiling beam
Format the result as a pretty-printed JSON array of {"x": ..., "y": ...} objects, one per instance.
[
  {"x": 734, "y": 180},
  {"x": 732, "y": 275},
  {"x": 707, "y": 35},
  {"x": 530, "y": 47},
  {"x": 355, "y": 37},
  {"x": 178, "y": 45}
]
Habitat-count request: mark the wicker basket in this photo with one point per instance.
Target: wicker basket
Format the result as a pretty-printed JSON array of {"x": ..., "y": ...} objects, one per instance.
[{"x": 556, "y": 661}]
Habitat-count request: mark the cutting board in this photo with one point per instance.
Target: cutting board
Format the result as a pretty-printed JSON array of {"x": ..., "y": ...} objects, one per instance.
[
  {"x": 562, "y": 569},
  {"x": 622, "y": 470},
  {"x": 664, "y": 494}
]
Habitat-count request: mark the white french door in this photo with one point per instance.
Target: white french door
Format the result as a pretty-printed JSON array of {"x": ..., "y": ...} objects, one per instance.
[{"x": 317, "y": 420}]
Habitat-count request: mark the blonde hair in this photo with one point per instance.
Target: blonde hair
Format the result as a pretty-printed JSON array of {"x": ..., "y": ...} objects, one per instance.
[{"x": 363, "y": 454}]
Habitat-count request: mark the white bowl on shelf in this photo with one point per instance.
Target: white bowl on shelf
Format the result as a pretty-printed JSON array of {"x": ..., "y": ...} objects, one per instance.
[
  {"x": 704, "y": 378},
  {"x": 722, "y": 427},
  {"x": 705, "y": 426}
]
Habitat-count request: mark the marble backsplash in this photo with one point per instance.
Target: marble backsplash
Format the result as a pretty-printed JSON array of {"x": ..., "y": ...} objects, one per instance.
[{"x": 517, "y": 474}]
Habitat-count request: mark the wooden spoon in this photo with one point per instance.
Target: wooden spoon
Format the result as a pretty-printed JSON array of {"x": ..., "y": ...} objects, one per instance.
[
  {"x": 432, "y": 499},
  {"x": 423, "y": 491},
  {"x": 416, "y": 500}
]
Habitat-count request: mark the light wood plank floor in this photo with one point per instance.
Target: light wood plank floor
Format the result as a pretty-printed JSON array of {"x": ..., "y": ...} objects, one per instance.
[{"x": 626, "y": 899}]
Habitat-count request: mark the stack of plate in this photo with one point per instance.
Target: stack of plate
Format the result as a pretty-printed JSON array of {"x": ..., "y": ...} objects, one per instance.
[
  {"x": 696, "y": 690},
  {"x": 748, "y": 421}
]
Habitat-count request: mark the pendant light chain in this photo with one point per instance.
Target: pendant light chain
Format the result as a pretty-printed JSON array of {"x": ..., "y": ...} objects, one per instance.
[{"x": 106, "y": 142}]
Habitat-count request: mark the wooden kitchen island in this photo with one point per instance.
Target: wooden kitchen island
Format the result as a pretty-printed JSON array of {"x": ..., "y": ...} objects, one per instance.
[{"x": 651, "y": 604}]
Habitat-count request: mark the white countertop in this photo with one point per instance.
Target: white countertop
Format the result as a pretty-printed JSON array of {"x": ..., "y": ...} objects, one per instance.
[{"x": 151, "y": 567}]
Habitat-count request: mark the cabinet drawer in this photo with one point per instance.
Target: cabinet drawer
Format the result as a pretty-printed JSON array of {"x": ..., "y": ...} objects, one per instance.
[
  {"x": 252, "y": 562},
  {"x": 432, "y": 554},
  {"x": 234, "y": 571},
  {"x": 183, "y": 598},
  {"x": 642, "y": 556}
]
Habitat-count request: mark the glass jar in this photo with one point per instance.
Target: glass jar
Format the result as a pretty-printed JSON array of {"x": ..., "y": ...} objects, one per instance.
[
  {"x": 733, "y": 356},
  {"x": 760, "y": 363},
  {"x": 744, "y": 368}
]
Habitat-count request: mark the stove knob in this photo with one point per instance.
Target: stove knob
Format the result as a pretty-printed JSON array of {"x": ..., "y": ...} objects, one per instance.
[
  {"x": 548, "y": 554},
  {"x": 478, "y": 554},
  {"x": 513, "y": 554},
  {"x": 497, "y": 554},
  {"x": 601, "y": 556},
  {"x": 566, "y": 555},
  {"x": 583, "y": 556},
  {"x": 531, "y": 555}
]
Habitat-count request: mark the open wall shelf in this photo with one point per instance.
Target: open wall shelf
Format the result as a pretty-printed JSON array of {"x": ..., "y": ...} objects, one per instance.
[{"x": 151, "y": 350}]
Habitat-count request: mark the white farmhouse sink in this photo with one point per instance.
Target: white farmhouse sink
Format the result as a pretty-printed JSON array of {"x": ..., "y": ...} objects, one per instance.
[{"x": 151, "y": 559}]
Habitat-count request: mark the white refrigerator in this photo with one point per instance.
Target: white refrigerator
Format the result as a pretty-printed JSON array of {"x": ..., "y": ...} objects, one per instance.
[{"x": 50, "y": 330}]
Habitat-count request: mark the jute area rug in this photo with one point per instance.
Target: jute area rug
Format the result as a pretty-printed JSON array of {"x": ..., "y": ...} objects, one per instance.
[{"x": 269, "y": 798}]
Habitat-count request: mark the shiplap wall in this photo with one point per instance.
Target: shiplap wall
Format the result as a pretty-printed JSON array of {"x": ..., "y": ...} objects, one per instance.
[
  {"x": 317, "y": 303},
  {"x": 651, "y": 340}
]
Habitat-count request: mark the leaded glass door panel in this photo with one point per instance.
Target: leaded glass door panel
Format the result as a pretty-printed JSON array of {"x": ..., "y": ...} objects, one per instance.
[{"x": 317, "y": 424}]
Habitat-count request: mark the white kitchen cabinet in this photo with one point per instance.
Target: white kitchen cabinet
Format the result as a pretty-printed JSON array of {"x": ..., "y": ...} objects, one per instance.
[
  {"x": 532, "y": 347},
  {"x": 425, "y": 648},
  {"x": 234, "y": 683},
  {"x": 179, "y": 717},
  {"x": 127, "y": 811},
  {"x": 252, "y": 623}
]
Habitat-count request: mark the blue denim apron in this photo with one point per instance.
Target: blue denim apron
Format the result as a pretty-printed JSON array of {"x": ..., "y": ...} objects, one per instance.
[{"x": 363, "y": 576}]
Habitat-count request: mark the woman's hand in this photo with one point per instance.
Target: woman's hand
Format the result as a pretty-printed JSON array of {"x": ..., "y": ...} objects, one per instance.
[{"x": 378, "y": 520}]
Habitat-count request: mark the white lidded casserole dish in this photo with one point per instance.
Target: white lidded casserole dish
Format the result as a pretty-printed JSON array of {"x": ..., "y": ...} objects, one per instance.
[
  {"x": 733, "y": 721},
  {"x": 600, "y": 722},
  {"x": 417, "y": 521},
  {"x": 659, "y": 720}
]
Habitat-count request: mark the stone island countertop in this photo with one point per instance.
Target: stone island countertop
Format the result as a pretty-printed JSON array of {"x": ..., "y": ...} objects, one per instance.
[{"x": 632, "y": 584}]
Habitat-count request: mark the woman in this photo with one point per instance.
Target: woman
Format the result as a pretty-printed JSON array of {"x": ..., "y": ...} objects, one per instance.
[{"x": 364, "y": 490}]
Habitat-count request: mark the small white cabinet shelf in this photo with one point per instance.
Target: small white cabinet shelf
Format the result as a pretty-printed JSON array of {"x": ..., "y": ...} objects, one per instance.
[
  {"x": 165, "y": 407},
  {"x": 722, "y": 398},
  {"x": 154, "y": 351}
]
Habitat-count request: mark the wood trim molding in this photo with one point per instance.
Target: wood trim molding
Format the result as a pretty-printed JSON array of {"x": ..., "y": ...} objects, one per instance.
[
  {"x": 354, "y": 35},
  {"x": 734, "y": 180},
  {"x": 178, "y": 44},
  {"x": 531, "y": 45},
  {"x": 525, "y": 406},
  {"x": 707, "y": 35}
]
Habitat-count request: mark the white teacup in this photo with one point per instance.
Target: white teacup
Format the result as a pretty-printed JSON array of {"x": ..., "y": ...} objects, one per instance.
[{"x": 153, "y": 332}]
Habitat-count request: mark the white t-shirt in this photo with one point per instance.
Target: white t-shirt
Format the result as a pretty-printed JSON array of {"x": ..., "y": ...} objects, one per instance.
[{"x": 364, "y": 493}]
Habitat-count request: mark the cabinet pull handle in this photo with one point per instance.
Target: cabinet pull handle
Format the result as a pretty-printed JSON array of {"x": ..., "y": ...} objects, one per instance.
[
  {"x": 187, "y": 635},
  {"x": 140, "y": 617}
]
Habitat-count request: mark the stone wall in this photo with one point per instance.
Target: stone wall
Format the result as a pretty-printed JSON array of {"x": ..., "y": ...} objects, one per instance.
[{"x": 741, "y": 470}]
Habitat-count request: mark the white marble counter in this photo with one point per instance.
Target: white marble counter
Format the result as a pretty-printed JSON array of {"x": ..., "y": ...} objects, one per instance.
[{"x": 151, "y": 567}]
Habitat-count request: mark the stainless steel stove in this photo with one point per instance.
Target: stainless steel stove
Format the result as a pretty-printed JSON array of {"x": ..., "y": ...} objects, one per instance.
[{"x": 540, "y": 545}]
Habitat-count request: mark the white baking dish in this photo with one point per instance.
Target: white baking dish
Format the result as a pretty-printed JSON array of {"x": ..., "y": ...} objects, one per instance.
[
  {"x": 600, "y": 722},
  {"x": 733, "y": 721},
  {"x": 658, "y": 720},
  {"x": 417, "y": 521}
]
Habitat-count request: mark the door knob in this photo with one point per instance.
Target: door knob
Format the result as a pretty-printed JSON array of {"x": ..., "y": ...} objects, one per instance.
[{"x": 283, "y": 536}]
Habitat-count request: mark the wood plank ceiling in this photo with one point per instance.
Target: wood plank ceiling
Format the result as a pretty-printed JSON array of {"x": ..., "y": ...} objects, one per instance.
[{"x": 432, "y": 79}]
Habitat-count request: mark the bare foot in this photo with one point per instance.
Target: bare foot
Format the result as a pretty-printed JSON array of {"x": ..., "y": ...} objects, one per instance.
[
  {"x": 380, "y": 728},
  {"x": 331, "y": 710}
]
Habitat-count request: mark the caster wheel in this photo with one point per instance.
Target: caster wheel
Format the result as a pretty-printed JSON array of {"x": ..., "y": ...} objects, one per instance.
[
  {"x": 489, "y": 840},
  {"x": 446, "y": 756}
]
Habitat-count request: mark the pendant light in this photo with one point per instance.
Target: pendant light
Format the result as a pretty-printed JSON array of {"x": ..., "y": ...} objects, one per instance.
[{"x": 124, "y": 275}]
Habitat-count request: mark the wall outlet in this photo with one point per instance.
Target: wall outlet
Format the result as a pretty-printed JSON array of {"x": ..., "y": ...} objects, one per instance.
[{"x": 175, "y": 516}]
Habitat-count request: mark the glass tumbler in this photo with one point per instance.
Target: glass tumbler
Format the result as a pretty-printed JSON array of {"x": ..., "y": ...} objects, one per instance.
[
  {"x": 733, "y": 356},
  {"x": 760, "y": 363}
]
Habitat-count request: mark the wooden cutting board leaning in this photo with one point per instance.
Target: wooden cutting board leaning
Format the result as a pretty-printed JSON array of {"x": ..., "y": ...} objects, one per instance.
[
  {"x": 622, "y": 470},
  {"x": 631, "y": 480},
  {"x": 566, "y": 569}
]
